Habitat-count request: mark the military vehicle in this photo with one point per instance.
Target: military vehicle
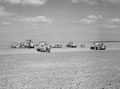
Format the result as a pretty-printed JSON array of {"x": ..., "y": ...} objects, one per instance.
[
  {"x": 57, "y": 46},
  {"x": 98, "y": 46},
  {"x": 71, "y": 44},
  {"x": 15, "y": 45},
  {"x": 28, "y": 44},
  {"x": 43, "y": 47}
]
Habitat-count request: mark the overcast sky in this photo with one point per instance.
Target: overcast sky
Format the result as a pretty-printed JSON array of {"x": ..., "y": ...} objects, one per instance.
[{"x": 59, "y": 20}]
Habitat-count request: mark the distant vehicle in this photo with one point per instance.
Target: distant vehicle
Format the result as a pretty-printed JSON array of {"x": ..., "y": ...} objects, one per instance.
[
  {"x": 41, "y": 43},
  {"x": 82, "y": 45},
  {"x": 98, "y": 46},
  {"x": 15, "y": 45},
  {"x": 57, "y": 46},
  {"x": 28, "y": 44},
  {"x": 43, "y": 47},
  {"x": 21, "y": 45},
  {"x": 71, "y": 44}
]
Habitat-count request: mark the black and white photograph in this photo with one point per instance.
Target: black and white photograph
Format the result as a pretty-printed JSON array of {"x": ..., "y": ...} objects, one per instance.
[{"x": 59, "y": 44}]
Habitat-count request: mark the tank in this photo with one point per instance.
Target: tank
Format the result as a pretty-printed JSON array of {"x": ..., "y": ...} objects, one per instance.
[
  {"x": 15, "y": 45},
  {"x": 43, "y": 47},
  {"x": 71, "y": 44},
  {"x": 57, "y": 46},
  {"x": 29, "y": 44},
  {"x": 98, "y": 46}
]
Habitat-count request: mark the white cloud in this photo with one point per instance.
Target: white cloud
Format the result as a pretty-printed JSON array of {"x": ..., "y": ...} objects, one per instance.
[
  {"x": 6, "y": 22},
  {"x": 13, "y": 1},
  {"x": 117, "y": 20},
  {"x": 112, "y": 1},
  {"x": 33, "y": 20},
  {"x": 35, "y": 2},
  {"x": 94, "y": 17},
  {"x": 9, "y": 16},
  {"x": 95, "y": 2},
  {"x": 91, "y": 2},
  {"x": 3, "y": 12},
  {"x": 87, "y": 21},
  {"x": 2, "y": 8},
  {"x": 28, "y": 2},
  {"x": 109, "y": 26},
  {"x": 75, "y": 1},
  {"x": 38, "y": 19},
  {"x": 101, "y": 22},
  {"x": 5, "y": 15},
  {"x": 91, "y": 19}
]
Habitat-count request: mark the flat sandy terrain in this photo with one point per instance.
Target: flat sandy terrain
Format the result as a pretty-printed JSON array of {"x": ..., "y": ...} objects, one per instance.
[
  {"x": 33, "y": 51},
  {"x": 20, "y": 69}
]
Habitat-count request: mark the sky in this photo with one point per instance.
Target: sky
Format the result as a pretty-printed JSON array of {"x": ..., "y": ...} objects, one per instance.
[{"x": 60, "y": 20}]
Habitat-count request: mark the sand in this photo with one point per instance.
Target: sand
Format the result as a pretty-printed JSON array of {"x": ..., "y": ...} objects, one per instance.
[
  {"x": 60, "y": 69},
  {"x": 33, "y": 51}
]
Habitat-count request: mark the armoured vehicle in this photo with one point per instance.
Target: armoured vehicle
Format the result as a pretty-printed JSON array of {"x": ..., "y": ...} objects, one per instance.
[
  {"x": 57, "y": 46},
  {"x": 71, "y": 44},
  {"x": 98, "y": 46},
  {"x": 43, "y": 47},
  {"x": 15, "y": 45},
  {"x": 28, "y": 44}
]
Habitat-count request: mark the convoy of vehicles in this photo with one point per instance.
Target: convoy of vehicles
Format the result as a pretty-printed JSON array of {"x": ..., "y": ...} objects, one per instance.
[
  {"x": 28, "y": 44},
  {"x": 45, "y": 47}
]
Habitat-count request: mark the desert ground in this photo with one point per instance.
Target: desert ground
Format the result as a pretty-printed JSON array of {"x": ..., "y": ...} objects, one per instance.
[{"x": 60, "y": 69}]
